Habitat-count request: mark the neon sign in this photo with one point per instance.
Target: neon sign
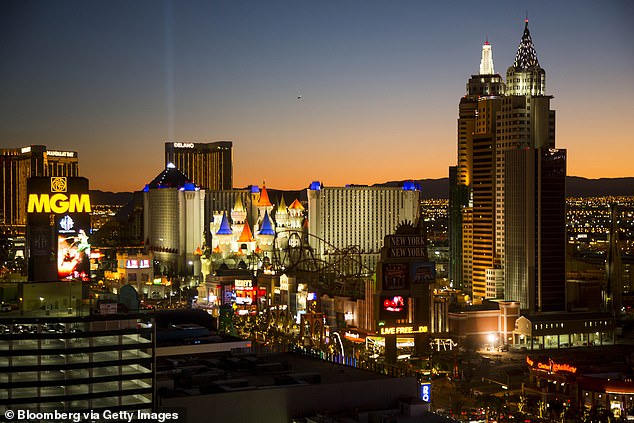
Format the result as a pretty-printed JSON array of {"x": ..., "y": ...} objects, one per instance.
[
  {"x": 551, "y": 366},
  {"x": 425, "y": 392},
  {"x": 351, "y": 335},
  {"x": 396, "y": 304},
  {"x": 244, "y": 300},
  {"x": 243, "y": 284},
  {"x": 183, "y": 145},
  {"x": 60, "y": 153},
  {"x": 402, "y": 330},
  {"x": 564, "y": 368},
  {"x": 59, "y": 203}
]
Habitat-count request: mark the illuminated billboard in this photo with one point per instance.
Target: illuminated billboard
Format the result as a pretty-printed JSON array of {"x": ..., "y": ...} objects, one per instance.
[
  {"x": 58, "y": 195},
  {"x": 58, "y": 225},
  {"x": 58, "y": 203},
  {"x": 422, "y": 271},
  {"x": 395, "y": 276},
  {"x": 73, "y": 250},
  {"x": 402, "y": 330},
  {"x": 392, "y": 307},
  {"x": 425, "y": 392}
]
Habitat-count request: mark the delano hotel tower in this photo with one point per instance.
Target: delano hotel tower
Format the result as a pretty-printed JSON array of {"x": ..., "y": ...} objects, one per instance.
[{"x": 208, "y": 165}]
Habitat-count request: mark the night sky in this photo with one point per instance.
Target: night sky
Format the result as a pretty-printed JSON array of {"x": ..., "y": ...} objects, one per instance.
[{"x": 380, "y": 83}]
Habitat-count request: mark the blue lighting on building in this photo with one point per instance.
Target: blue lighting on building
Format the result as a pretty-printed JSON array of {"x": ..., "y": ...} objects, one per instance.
[
  {"x": 255, "y": 189},
  {"x": 411, "y": 186},
  {"x": 189, "y": 186},
  {"x": 224, "y": 229},
  {"x": 425, "y": 392},
  {"x": 267, "y": 228},
  {"x": 315, "y": 186}
]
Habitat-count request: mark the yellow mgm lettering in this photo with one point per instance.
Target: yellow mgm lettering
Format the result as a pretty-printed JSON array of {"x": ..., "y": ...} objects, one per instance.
[{"x": 59, "y": 203}]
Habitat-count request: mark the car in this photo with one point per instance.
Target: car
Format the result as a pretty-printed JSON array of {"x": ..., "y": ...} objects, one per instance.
[
  {"x": 20, "y": 329},
  {"x": 53, "y": 328}
]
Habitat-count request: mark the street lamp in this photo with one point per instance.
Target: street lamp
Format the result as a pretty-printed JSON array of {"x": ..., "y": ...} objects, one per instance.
[{"x": 190, "y": 272}]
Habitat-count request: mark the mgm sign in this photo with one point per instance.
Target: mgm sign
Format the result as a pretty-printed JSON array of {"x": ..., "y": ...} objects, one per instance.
[
  {"x": 59, "y": 202},
  {"x": 58, "y": 225}
]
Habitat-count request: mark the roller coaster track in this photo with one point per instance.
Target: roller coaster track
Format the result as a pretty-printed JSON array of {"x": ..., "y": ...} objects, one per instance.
[{"x": 340, "y": 272}]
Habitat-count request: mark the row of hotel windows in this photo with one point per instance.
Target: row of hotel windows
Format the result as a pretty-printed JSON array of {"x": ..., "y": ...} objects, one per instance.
[
  {"x": 595, "y": 324},
  {"x": 548, "y": 325},
  {"x": 561, "y": 325}
]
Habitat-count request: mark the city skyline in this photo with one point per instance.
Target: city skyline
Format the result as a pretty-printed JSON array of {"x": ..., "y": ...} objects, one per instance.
[{"x": 339, "y": 85}]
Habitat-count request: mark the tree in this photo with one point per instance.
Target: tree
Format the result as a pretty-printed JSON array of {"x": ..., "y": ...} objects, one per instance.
[
  {"x": 541, "y": 408},
  {"x": 522, "y": 403}
]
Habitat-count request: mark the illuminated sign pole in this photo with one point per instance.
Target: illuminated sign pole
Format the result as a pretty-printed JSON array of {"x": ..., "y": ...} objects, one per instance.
[
  {"x": 403, "y": 297},
  {"x": 58, "y": 226}
]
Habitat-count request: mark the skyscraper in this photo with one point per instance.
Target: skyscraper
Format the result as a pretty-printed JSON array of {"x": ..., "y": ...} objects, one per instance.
[
  {"x": 472, "y": 192},
  {"x": 208, "y": 165},
  {"x": 506, "y": 145},
  {"x": 458, "y": 198},
  {"x": 535, "y": 228},
  {"x": 19, "y": 164},
  {"x": 483, "y": 196},
  {"x": 527, "y": 123}
]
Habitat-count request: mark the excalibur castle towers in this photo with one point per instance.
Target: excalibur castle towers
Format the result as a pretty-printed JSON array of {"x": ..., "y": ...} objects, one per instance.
[{"x": 508, "y": 188}]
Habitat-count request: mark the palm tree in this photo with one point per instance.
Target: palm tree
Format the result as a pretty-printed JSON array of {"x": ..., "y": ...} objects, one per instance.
[
  {"x": 522, "y": 403},
  {"x": 541, "y": 408}
]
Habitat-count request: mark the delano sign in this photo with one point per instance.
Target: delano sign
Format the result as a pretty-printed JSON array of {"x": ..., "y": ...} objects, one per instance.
[
  {"x": 183, "y": 145},
  {"x": 59, "y": 203}
]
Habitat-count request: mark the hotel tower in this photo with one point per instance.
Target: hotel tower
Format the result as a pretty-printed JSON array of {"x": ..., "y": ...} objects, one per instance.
[{"x": 508, "y": 191}]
